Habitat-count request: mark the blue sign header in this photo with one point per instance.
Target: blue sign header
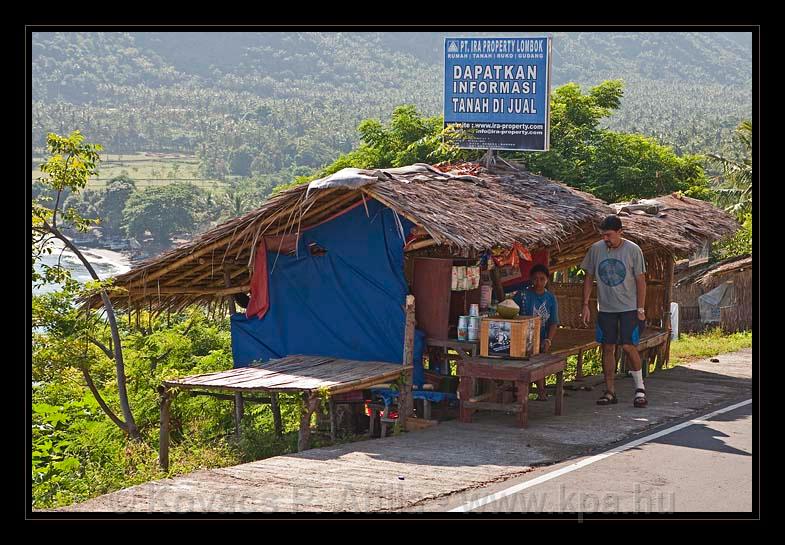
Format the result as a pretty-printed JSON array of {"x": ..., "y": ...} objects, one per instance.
[{"x": 497, "y": 91}]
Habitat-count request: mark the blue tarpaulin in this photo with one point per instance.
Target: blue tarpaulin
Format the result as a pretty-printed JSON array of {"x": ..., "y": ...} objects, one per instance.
[
  {"x": 348, "y": 303},
  {"x": 389, "y": 395}
]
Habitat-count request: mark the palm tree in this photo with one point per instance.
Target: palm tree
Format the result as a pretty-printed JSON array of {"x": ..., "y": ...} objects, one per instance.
[
  {"x": 236, "y": 202},
  {"x": 734, "y": 186}
]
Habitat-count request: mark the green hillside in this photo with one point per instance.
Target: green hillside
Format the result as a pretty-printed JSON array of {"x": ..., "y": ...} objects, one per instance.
[{"x": 256, "y": 103}]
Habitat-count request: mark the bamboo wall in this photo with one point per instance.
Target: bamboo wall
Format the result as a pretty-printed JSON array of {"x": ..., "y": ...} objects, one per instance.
[
  {"x": 570, "y": 295},
  {"x": 570, "y": 299}
]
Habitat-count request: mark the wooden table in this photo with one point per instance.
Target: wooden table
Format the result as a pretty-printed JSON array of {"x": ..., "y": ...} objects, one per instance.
[
  {"x": 439, "y": 348},
  {"x": 309, "y": 376},
  {"x": 521, "y": 372}
]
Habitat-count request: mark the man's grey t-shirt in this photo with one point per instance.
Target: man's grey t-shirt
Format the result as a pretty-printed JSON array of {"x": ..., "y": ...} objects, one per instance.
[{"x": 615, "y": 270}]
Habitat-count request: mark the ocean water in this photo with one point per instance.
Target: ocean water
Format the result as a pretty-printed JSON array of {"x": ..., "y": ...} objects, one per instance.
[{"x": 107, "y": 263}]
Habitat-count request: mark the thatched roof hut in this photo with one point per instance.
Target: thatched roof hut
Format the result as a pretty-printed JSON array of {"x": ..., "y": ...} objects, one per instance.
[
  {"x": 464, "y": 209},
  {"x": 736, "y": 271}
]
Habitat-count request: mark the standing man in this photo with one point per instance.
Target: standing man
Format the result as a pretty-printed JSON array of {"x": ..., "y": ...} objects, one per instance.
[{"x": 620, "y": 269}]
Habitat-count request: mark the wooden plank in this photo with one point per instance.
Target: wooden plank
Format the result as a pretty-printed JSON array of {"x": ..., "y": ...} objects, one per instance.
[
  {"x": 236, "y": 381},
  {"x": 228, "y": 282},
  {"x": 246, "y": 398},
  {"x": 153, "y": 290},
  {"x": 579, "y": 366},
  {"x": 452, "y": 343},
  {"x": 431, "y": 289},
  {"x": 163, "y": 434},
  {"x": 310, "y": 404},
  {"x": 239, "y": 408},
  {"x": 496, "y": 280},
  {"x": 416, "y": 424},
  {"x": 367, "y": 382},
  {"x": 333, "y": 421},
  {"x": 237, "y": 389},
  {"x": 348, "y": 372},
  {"x": 314, "y": 372},
  {"x": 361, "y": 371},
  {"x": 508, "y": 407},
  {"x": 229, "y": 376},
  {"x": 206, "y": 377},
  {"x": 575, "y": 349},
  {"x": 351, "y": 386},
  {"x": 269, "y": 374},
  {"x": 523, "y": 398},
  {"x": 542, "y": 372},
  {"x": 277, "y": 426}
]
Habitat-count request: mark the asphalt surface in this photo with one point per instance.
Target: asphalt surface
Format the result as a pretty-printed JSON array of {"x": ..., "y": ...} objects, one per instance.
[
  {"x": 705, "y": 467},
  {"x": 446, "y": 465}
]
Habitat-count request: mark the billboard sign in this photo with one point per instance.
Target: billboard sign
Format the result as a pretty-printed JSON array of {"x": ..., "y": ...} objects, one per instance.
[{"x": 497, "y": 92}]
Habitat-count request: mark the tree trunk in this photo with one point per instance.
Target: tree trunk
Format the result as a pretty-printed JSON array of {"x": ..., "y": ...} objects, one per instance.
[
  {"x": 130, "y": 424},
  {"x": 100, "y": 400}
]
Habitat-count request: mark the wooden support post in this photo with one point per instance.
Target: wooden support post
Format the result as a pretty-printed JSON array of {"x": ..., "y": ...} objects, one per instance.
[
  {"x": 239, "y": 409},
  {"x": 579, "y": 367},
  {"x": 498, "y": 288},
  {"x": 405, "y": 402},
  {"x": 310, "y": 404},
  {"x": 444, "y": 362},
  {"x": 333, "y": 421},
  {"x": 465, "y": 391},
  {"x": 405, "y": 395},
  {"x": 559, "y": 392},
  {"x": 383, "y": 420},
  {"x": 523, "y": 399},
  {"x": 667, "y": 309},
  {"x": 408, "y": 334},
  {"x": 667, "y": 350},
  {"x": 274, "y": 405},
  {"x": 165, "y": 397},
  {"x": 228, "y": 282}
]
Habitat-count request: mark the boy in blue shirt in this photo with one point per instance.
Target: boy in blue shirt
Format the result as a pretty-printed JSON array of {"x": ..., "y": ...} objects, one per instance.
[{"x": 537, "y": 301}]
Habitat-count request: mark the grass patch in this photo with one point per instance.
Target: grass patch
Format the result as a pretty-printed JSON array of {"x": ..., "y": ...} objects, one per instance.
[{"x": 691, "y": 347}]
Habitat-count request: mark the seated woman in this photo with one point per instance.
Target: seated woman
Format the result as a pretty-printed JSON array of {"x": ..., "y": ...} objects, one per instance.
[{"x": 535, "y": 300}]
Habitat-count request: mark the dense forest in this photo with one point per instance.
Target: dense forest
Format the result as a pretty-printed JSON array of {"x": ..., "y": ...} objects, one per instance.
[{"x": 257, "y": 103}]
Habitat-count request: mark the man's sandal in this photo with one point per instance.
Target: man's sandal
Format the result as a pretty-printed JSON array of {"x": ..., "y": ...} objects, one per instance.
[
  {"x": 607, "y": 398},
  {"x": 640, "y": 401}
]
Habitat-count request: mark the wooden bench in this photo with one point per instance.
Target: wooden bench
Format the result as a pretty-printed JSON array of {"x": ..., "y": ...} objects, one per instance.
[{"x": 521, "y": 372}]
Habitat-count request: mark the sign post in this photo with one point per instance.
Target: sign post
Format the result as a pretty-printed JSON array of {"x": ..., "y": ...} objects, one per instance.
[{"x": 497, "y": 92}]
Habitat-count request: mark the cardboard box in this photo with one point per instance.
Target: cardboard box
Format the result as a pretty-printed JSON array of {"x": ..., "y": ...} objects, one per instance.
[{"x": 514, "y": 338}]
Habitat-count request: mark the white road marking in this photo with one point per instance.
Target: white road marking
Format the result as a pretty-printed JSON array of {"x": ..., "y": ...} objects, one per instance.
[{"x": 588, "y": 461}]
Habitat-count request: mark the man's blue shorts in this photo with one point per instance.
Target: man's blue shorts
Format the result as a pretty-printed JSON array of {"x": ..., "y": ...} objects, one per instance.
[{"x": 619, "y": 328}]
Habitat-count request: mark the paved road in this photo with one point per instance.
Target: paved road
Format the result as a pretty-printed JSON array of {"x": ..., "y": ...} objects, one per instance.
[
  {"x": 415, "y": 471},
  {"x": 704, "y": 467}
]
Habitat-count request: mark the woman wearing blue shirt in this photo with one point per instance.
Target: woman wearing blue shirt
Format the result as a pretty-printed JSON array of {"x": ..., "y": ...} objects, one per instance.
[{"x": 537, "y": 301}]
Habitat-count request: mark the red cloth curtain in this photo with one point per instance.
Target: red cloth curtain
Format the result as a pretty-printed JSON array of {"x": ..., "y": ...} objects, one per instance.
[{"x": 260, "y": 296}]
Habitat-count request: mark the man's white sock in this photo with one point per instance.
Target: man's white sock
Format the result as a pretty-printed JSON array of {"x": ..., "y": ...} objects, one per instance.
[{"x": 637, "y": 376}]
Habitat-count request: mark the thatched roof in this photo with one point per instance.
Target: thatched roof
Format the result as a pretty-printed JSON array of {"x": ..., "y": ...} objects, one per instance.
[
  {"x": 464, "y": 207},
  {"x": 706, "y": 274},
  {"x": 681, "y": 226}
]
